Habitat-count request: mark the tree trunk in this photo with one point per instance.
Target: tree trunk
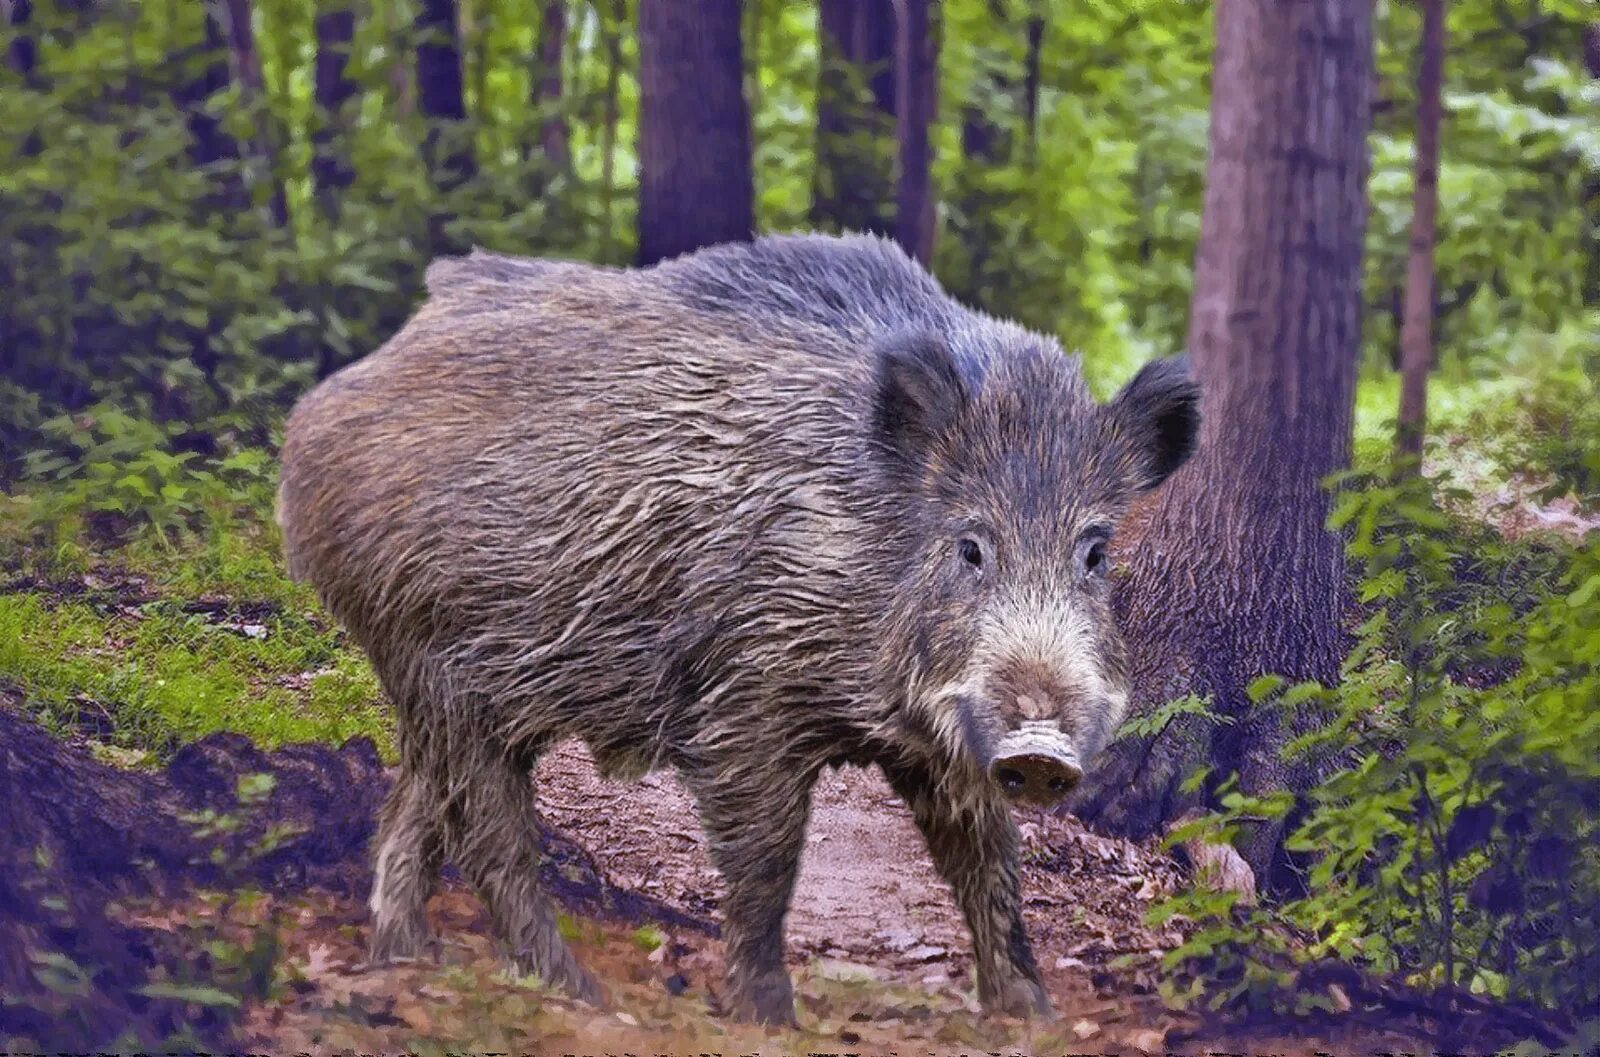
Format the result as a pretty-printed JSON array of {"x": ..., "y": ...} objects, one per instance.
[
  {"x": 984, "y": 136},
  {"x": 209, "y": 142},
  {"x": 853, "y": 187},
  {"x": 553, "y": 137},
  {"x": 696, "y": 186},
  {"x": 611, "y": 30},
  {"x": 1030, "y": 83},
  {"x": 1416, "y": 332},
  {"x": 442, "y": 95},
  {"x": 1591, "y": 286},
  {"x": 1234, "y": 574},
  {"x": 245, "y": 66},
  {"x": 916, "y": 93},
  {"x": 330, "y": 166}
]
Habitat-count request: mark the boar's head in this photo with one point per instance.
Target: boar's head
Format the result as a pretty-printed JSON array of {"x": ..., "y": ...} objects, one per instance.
[{"x": 1009, "y": 479}]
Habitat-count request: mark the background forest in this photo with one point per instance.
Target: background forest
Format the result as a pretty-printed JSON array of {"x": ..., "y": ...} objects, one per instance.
[{"x": 205, "y": 207}]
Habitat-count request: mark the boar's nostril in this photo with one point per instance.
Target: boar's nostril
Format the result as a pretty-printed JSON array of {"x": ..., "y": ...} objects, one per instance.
[{"x": 1010, "y": 779}]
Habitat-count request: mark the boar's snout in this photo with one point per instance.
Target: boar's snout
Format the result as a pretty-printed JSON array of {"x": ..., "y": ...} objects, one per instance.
[{"x": 1036, "y": 763}]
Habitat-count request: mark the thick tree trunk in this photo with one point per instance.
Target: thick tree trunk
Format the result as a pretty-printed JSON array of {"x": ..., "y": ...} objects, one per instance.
[
  {"x": 696, "y": 187},
  {"x": 1416, "y": 332},
  {"x": 553, "y": 136},
  {"x": 1234, "y": 574},
  {"x": 916, "y": 97},
  {"x": 442, "y": 95},
  {"x": 853, "y": 189},
  {"x": 330, "y": 165}
]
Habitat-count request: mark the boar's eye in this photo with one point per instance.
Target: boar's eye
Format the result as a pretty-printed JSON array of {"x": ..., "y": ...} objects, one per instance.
[
  {"x": 1091, "y": 555},
  {"x": 970, "y": 551}
]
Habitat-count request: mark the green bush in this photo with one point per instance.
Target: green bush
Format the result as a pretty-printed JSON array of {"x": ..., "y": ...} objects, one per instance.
[{"x": 1458, "y": 842}]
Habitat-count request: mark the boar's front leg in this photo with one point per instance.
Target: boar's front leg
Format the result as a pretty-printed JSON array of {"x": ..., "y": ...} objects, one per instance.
[
  {"x": 976, "y": 851},
  {"x": 754, "y": 816}
]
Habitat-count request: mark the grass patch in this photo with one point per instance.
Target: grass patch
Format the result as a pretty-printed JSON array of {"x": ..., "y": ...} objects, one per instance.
[{"x": 227, "y": 643}]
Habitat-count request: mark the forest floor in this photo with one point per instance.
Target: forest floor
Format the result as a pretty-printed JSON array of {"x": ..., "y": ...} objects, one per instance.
[
  {"x": 879, "y": 952},
  {"x": 877, "y": 948}
]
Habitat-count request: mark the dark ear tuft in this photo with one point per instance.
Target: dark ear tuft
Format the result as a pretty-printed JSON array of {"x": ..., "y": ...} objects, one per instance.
[
  {"x": 920, "y": 392},
  {"x": 1159, "y": 413}
]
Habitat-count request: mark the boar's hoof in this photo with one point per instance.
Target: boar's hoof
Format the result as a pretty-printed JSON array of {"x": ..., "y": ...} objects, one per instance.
[
  {"x": 766, "y": 1000},
  {"x": 567, "y": 976},
  {"x": 1021, "y": 998},
  {"x": 397, "y": 944}
]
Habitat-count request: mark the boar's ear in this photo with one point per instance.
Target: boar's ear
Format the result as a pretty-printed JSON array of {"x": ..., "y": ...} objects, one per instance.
[
  {"x": 1158, "y": 415},
  {"x": 920, "y": 392}
]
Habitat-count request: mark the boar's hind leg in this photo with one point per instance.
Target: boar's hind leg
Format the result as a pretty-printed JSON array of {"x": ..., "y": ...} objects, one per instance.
[
  {"x": 755, "y": 823},
  {"x": 494, "y": 842},
  {"x": 977, "y": 854},
  {"x": 409, "y": 852}
]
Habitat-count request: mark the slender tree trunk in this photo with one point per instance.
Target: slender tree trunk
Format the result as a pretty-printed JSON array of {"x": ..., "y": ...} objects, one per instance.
[
  {"x": 916, "y": 94},
  {"x": 330, "y": 165},
  {"x": 402, "y": 75},
  {"x": 1234, "y": 574},
  {"x": 1030, "y": 83},
  {"x": 612, "y": 31},
  {"x": 245, "y": 65},
  {"x": 696, "y": 186},
  {"x": 442, "y": 95},
  {"x": 1591, "y": 286},
  {"x": 553, "y": 135},
  {"x": 209, "y": 143},
  {"x": 853, "y": 186},
  {"x": 1416, "y": 332}
]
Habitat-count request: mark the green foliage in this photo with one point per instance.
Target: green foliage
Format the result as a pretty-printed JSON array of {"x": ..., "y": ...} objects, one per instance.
[
  {"x": 1456, "y": 842},
  {"x": 156, "y": 675},
  {"x": 119, "y": 475}
]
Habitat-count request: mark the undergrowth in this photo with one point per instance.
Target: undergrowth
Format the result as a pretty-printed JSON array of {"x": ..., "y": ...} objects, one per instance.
[{"x": 1456, "y": 843}]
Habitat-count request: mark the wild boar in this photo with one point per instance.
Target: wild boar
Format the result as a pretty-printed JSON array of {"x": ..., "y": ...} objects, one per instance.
[{"x": 752, "y": 512}]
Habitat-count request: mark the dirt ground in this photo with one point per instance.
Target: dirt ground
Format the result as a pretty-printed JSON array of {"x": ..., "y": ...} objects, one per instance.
[{"x": 877, "y": 947}]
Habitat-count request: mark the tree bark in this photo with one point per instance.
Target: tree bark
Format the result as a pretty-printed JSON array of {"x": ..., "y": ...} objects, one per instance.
[
  {"x": 1416, "y": 331},
  {"x": 696, "y": 185},
  {"x": 1030, "y": 82},
  {"x": 1234, "y": 574},
  {"x": 330, "y": 165},
  {"x": 916, "y": 97},
  {"x": 853, "y": 188},
  {"x": 442, "y": 95},
  {"x": 553, "y": 135},
  {"x": 611, "y": 31}
]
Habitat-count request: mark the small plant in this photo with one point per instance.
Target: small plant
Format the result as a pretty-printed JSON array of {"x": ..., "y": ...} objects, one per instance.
[
  {"x": 1457, "y": 844},
  {"x": 118, "y": 475}
]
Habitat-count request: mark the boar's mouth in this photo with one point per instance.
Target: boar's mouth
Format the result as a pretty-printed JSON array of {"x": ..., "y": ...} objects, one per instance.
[{"x": 1036, "y": 763}]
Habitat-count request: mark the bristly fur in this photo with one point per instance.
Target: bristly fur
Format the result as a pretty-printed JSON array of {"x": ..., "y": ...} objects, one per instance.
[{"x": 705, "y": 516}]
